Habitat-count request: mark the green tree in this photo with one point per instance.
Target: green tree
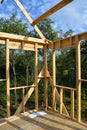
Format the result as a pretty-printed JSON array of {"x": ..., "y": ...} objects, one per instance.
[
  {"x": 15, "y": 26},
  {"x": 46, "y": 27}
]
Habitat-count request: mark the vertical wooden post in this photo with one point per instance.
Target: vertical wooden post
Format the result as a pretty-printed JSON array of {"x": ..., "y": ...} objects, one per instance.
[
  {"x": 36, "y": 76},
  {"x": 7, "y": 78},
  {"x": 23, "y": 106},
  {"x": 61, "y": 100},
  {"x": 72, "y": 103},
  {"x": 45, "y": 79},
  {"x": 54, "y": 78},
  {"x": 78, "y": 82}
]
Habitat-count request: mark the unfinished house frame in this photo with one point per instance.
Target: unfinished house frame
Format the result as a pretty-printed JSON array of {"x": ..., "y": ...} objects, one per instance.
[{"x": 17, "y": 42}]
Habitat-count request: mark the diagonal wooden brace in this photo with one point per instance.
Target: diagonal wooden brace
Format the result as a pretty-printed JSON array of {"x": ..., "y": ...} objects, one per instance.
[
  {"x": 29, "y": 19},
  {"x": 29, "y": 93},
  {"x": 58, "y": 95}
]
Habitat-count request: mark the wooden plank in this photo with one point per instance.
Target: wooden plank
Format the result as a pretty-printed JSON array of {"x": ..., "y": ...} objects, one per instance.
[
  {"x": 72, "y": 104},
  {"x": 29, "y": 93},
  {"x": 1, "y": 80},
  {"x": 64, "y": 87},
  {"x": 23, "y": 105},
  {"x": 83, "y": 80},
  {"x": 2, "y": 41},
  {"x": 7, "y": 78},
  {"x": 78, "y": 82},
  {"x": 51, "y": 11},
  {"x": 36, "y": 76},
  {"x": 61, "y": 100},
  {"x": 22, "y": 46},
  {"x": 45, "y": 78},
  {"x": 21, "y": 87},
  {"x": 68, "y": 42},
  {"x": 18, "y": 38},
  {"x": 54, "y": 78},
  {"x": 29, "y": 18}
]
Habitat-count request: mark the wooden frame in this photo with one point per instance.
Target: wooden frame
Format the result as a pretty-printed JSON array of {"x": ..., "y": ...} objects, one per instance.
[
  {"x": 36, "y": 76},
  {"x": 54, "y": 77},
  {"x": 45, "y": 79},
  {"x": 78, "y": 82},
  {"x": 13, "y": 41},
  {"x": 7, "y": 77}
]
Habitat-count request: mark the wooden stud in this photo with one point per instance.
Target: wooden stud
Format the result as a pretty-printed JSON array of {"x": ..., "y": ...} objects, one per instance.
[
  {"x": 72, "y": 104},
  {"x": 61, "y": 100},
  {"x": 54, "y": 78},
  {"x": 51, "y": 11},
  {"x": 23, "y": 105},
  {"x": 36, "y": 76},
  {"x": 78, "y": 82},
  {"x": 7, "y": 78},
  {"x": 45, "y": 79},
  {"x": 29, "y": 18}
]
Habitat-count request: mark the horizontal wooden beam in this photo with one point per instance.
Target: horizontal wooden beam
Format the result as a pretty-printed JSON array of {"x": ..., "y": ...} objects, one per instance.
[
  {"x": 64, "y": 87},
  {"x": 19, "y": 42},
  {"x": 20, "y": 38},
  {"x": 21, "y": 87},
  {"x": 68, "y": 42},
  {"x": 51, "y": 11},
  {"x": 83, "y": 80},
  {"x": 28, "y": 43},
  {"x": 1, "y": 80},
  {"x": 13, "y": 45}
]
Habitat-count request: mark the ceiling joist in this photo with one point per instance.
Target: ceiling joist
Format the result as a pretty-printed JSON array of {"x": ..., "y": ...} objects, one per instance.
[{"x": 51, "y": 11}]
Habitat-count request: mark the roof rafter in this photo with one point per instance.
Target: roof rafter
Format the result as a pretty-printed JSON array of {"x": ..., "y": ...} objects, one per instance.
[
  {"x": 51, "y": 11},
  {"x": 29, "y": 18}
]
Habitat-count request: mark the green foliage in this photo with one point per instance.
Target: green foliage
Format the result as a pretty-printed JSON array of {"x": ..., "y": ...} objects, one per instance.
[
  {"x": 13, "y": 25},
  {"x": 65, "y": 62},
  {"x": 46, "y": 27}
]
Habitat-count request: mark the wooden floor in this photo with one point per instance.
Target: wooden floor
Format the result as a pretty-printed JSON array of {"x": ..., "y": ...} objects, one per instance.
[{"x": 50, "y": 121}]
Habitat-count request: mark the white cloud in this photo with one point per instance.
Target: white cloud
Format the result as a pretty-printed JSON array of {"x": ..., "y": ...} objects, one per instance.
[{"x": 73, "y": 16}]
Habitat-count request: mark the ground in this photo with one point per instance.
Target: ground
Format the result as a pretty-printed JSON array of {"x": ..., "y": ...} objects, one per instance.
[{"x": 50, "y": 121}]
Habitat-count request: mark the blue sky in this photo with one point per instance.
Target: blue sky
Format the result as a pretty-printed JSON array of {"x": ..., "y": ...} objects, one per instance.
[{"x": 73, "y": 16}]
